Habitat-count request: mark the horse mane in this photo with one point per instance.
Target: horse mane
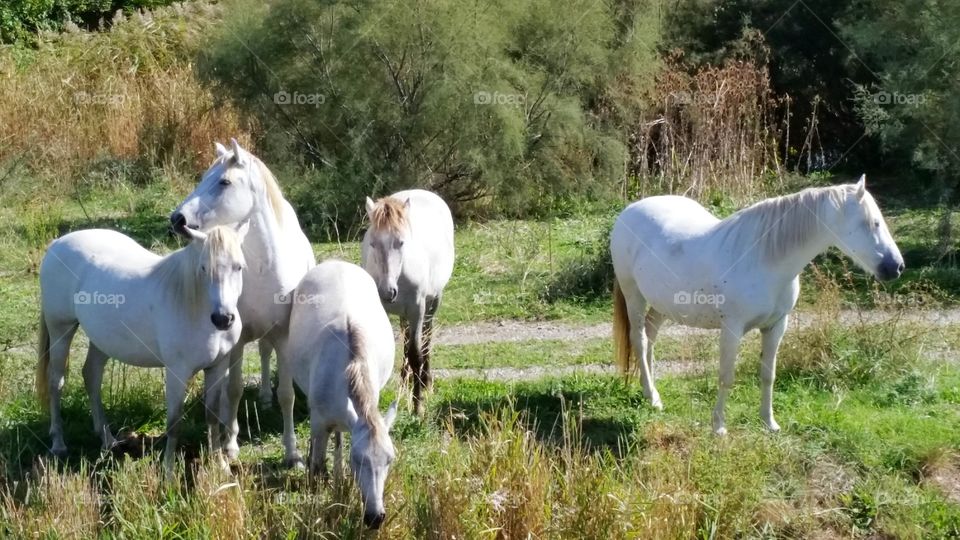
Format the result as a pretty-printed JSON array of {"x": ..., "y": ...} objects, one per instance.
[
  {"x": 274, "y": 195},
  {"x": 389, "y": 214},
  {"x": 180, "y": 271},
  {"x": 359, "y": 386},
  {"x": 778, "y": 225}
]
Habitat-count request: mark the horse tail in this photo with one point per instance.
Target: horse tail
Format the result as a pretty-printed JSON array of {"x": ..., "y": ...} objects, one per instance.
[
  {"x": 622, "y": 347},
  {"x": 43, "y": 362}
]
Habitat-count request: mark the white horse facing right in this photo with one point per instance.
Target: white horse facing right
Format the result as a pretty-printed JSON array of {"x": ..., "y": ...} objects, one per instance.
[
  {"x": 408, "y": 250},
  {"x": 341, "y": 350},
  {"x": 177, "y": 312},
  {"x": 674, "y": 260}
]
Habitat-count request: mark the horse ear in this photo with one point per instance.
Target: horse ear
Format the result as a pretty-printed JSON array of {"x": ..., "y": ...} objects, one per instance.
[
  {"x": 406, "y": 203},
  {"x": 862, "y": 187},
  {"x": 391, "y": 415},
  {"x": 370, "y": 206},
  {"x": 242, "y": 230},
  {"x": 221, "y": 149},
  {"x": 238, "y": 155}
]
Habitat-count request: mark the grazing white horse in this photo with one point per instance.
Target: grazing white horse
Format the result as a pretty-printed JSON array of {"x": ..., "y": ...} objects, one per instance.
[
  {"x": 177, "y": 312},
  {"x": 238, "y": 187},
  {"x": 408, "y": 250},
  {"x": 341, "y": 350},
  {"x": 674, "y": 260}
]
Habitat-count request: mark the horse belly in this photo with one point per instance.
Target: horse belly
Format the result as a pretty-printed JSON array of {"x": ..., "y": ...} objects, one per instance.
[{"x": 131, "y": 340}]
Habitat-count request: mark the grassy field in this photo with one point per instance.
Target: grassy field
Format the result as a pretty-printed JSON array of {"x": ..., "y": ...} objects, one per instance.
[{"x": 869, "y": 447}]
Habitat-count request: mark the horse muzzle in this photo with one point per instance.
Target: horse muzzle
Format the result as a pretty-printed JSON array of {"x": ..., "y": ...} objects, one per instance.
[
  {"x": 223, "y": 321},
  {"x": 890, "y": 268},
  {"x": 389, "y": 296},
  {"x": 374, "y": 519},
  {"x": 178, "y": 224}
]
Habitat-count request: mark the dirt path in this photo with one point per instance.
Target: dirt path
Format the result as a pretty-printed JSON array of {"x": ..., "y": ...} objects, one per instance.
[
  {"x": 667, "y": 367},
  {"x": 512, "y": 331}
]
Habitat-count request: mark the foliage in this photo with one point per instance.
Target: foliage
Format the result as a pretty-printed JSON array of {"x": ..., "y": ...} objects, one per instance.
[
  {"x": 501, "y": 107},
  {"x": 19, "y": 19},
  {"x": 910, "y": 102}
]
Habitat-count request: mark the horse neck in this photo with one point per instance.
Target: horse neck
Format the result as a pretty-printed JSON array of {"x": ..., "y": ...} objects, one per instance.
[
  {"x": 791, "y": 263},
  {"x": 264, "y": 241}
]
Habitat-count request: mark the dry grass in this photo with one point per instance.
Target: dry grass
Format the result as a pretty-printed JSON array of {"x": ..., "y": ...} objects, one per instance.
[
  {"x": 129, "y": 92},
  {"x": 712, "y": 131}
]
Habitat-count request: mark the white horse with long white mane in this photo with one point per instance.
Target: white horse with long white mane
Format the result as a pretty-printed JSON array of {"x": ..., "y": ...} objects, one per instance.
[
  {"x": 674, "y": 260},
  {"x": 238, "y": 188},
  {"x": 341, "y": 352},
  {"x": 177, "y": 312},
  {"x": 408, "y": 250}
]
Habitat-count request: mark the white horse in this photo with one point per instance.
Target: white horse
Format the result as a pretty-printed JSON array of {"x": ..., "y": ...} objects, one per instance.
[
  {"x": 238, "y": 187},
  {"x": 674, "y": 260},
  {"x": 408, "y": 250},
  {"x": 177, "y": 312},
  {"x": 341, "y": 350}
]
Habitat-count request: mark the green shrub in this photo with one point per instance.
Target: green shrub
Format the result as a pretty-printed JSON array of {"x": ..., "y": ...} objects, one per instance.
[{"x": 503, "y": 108}]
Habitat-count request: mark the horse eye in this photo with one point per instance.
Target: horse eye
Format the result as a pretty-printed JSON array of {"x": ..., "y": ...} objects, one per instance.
[
  {"x": 876, "y": 224},
  {"x": 203, "y": 268},
  {"x": 237, "y": 267},
  {"x": 224, "y": 181},
  {"x": 399, "y": 244}
]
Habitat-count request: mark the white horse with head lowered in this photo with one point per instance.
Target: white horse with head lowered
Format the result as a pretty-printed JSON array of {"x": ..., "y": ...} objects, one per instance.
[
  {"x": 237, "y": 188},
  {"x": 408, "y": 250},
  {"x": 341, "y": 352},
  {"x": 674, "y": 260},
  {"x": 177, "y": 312}
]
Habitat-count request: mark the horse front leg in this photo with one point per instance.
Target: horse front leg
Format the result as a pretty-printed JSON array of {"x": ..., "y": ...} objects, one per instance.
[
  {"x": 176, "y": 392},
  {"x": 729, "y": 343},
  {"x": 213, "y": 381},
  {"x": 427, "y": 346},
  {"x": 286, "y": 397},
  {"x": 266, "y": 391},
  {"x": 93, "y": 380},
  {"x": 770, "y": 343},
  {"x": 230, "y": 402},
  {"x": 415, "y": 357}
]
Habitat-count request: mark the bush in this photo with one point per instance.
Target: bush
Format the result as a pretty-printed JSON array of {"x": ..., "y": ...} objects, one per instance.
[
  {"x": 19, "y": 19},
  {"x": 502, "y": 108}
]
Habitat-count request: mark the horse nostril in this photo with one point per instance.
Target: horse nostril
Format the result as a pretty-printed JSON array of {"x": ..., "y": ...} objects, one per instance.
[
  {"x": 221, "y": 321},
  {"x": 900, "y": 268},
  {"x": 393, "y": 294}
]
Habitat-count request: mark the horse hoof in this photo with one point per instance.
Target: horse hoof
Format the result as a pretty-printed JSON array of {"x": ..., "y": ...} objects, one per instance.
[
  {"x": 232, "y": 451},
  {"x": 773, "y": 427},
  {"x": 295, "y": 462},
  {"x": 657, "y": 404},
  {"x": 720, "y": 432}
]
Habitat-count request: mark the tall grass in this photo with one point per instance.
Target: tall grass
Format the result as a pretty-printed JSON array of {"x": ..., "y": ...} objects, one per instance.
[
  {"x": 127, "y": 93},
  {"x": 713, "y": 130}
]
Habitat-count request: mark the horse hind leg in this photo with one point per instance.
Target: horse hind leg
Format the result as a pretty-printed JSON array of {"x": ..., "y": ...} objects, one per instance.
[
  {"x": 637, "y": 313},
  {"x": 93, "y": 381},
  {"x": 654, "y": 320},
  {"x": 61, "y": 335}
]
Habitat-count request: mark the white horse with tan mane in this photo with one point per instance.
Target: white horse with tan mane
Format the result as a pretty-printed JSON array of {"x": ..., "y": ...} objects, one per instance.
[
  {"x": 238, "y": 188},
  {"x": 177, "y": 312},
  {"x": 674, "y": 260},
  {"x": 341, "y": 353},
  {"x": 408, "y": 250}
]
